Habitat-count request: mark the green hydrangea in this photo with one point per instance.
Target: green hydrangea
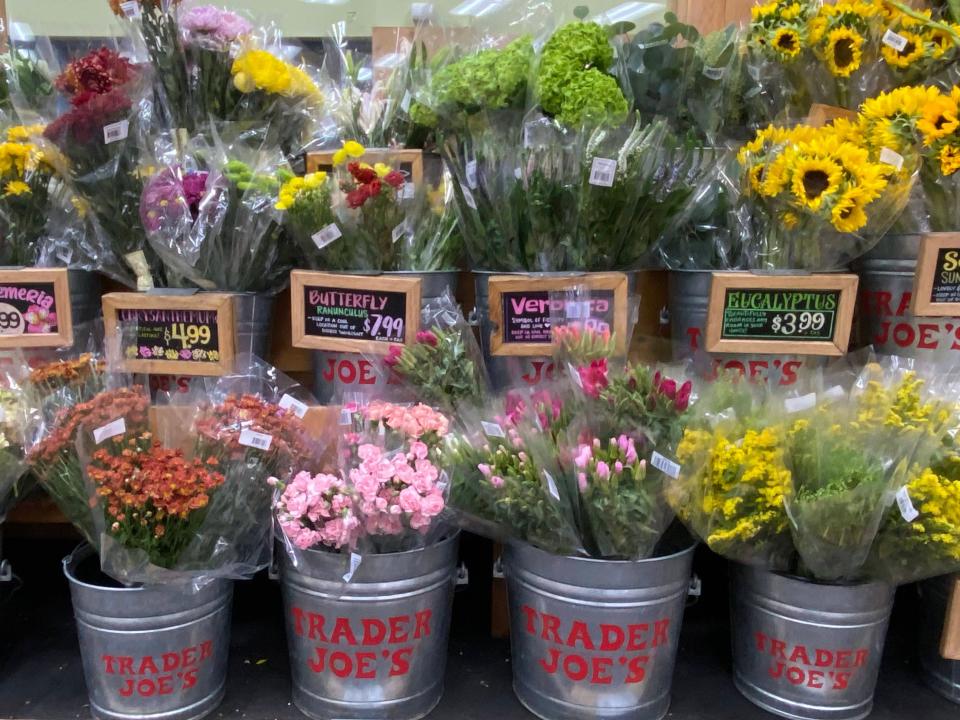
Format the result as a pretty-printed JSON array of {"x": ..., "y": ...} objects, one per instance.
[
  {"x": 421, "y": 115},
  {"x": 491, "y": 79},
  {"x": 572, "y": 79}
]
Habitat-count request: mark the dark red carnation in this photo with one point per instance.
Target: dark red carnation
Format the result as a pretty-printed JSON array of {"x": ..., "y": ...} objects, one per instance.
[
  {"x": 84, "y": 124},
  {"x": 395, "y": 179},
  {"x": 374, "y": 188},
  {"x": 362, "y": 174},
  {"x": 96, "y": 73},
  {"x": 356, "y": 198}
]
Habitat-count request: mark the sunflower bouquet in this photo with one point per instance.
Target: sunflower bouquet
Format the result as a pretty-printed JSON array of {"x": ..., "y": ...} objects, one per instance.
[
  {"x": 924, "y": 121},
  {"x": 919, "y": 47},
  {"x": 818, "y": 197}
]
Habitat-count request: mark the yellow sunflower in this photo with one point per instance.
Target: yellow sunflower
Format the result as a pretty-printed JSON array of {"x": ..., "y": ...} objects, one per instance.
[
  {"x": 786, "y": 41},
  {"x": 844, "y": 51},
  {"x": 949, "y": 159},
  {"x": 938, "y": 119},
  {"x": 914, "y": 50},
  {"x": 790, "y": 219},
  {"x": 16, "y": 188},
  {"x": 848, "y": 214},
  {"x": 777, "y": 177},
  {"x": 814, "y": 180}
]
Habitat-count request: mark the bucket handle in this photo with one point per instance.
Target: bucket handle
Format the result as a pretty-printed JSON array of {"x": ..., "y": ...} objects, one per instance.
[
  {"x": 498, "y": 568},
  {"x": 473, "y": 317},
  {"x": 695, "y": 590},
  {"x": 463, "y": 575}
]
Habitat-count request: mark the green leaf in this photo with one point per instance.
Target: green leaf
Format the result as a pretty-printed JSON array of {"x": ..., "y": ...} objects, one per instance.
[
  {"x": 670, "y": 18},
  {"x": 620, "y": 28},
  {"x": 581, "y": 11}
]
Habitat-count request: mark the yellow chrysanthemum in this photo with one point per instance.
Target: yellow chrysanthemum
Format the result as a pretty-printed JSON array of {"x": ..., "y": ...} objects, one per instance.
[
  {"x": 22, "y": 133},
  {"x": 351, "y": 150},
  {"x": 382, "y": 170},
  {"x": 949, "y": 159},
  {"x": 260, "y": 70},
  {"x": 292, "y": 189},
  {"x": 16, "y": 188},
  {"x": 938, "y": 119},
  {"x": 913, "y": 50},
  {"x": 815, "y": 179},
  {"x": 786, "y": 41},
  {"x": 844, "y": 52}
]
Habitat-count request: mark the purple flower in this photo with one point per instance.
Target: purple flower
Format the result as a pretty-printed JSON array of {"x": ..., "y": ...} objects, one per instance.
[
  {"x": 162, "y": 204},
  {"x": 194, "y": 189},
  {"x": 207, "y": 22}
]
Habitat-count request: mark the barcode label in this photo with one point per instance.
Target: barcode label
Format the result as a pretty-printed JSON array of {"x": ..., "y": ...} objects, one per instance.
[
  {"x": 117, "y": 427},
  {"x": 251, "y": 438},
  {"x": 405, "y": 103},
  {"x": 288, "y": 402},
  {"x": 713, "y": 73},
  {"x": 399, "y": 231},
  {"x": 603, "y": 171},
  {"x": 798, "y": 404},
  {"x": 114, "y": 132},
  {"x": 326, "y": 236},
  {"x": 664, "y": 465},
  {"x": 551, "y": 485},
  {"x": 492, "y": 429},
  {"x": 895, "y": 40},
  {"x": 472, "y": 174},
  {"x": 891, "y": 157},
  {"x": 907, "y": 510},
  {"x": 468, "y": 197},
  {"x": 130, "y": 9},
  {"x": 355, "y": 560}
]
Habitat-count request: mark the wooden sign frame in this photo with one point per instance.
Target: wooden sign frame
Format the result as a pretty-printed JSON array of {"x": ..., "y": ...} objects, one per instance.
[
  {"x": 930, "y": 246},
  {"x": 498, "y": 285},
  {"x": 821, "y": 114},
  {"x": 222, "y": 303},
  {"x": 410, "y": 161},
  {"x": 300, "y": 279},
  {"x": 846, "y": 284},
  {"x": 950, "y": 637},
  {"x": 61, "y": 288}
]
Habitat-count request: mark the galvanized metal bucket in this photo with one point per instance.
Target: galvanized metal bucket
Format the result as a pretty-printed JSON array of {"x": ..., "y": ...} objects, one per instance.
[
  {"x": 688, "y": 303},
  {"x": 375, "y": 647},
  {"x": 85, "y": 295},
  {"x": 806, "y": 650},
  {"x": 339, "y": 375},
  {"x": 886, "y": 292},
  {"x": 594, "y": 638},
  {"x": 157, "y": 652},
  {"x": 940, "y": 674}
]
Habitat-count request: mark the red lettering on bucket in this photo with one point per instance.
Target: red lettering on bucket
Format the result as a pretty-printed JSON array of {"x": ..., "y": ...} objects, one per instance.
[
  {"x": 346, "y": 371},
  {"x": 379, "y": 637},
  {"x": 755, "y": 369},
  {"x": 604, "y": 654},
  {"x": 162, "y": 674},
  {"x": 540, "y": 370},
  {"x": 817, "y": 668},
  {"x": 886, "y": 321}
]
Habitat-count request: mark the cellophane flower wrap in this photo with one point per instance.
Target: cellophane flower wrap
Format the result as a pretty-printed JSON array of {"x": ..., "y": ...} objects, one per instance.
[
  {"x": 921, "y": 120},
  {"x": 99, "y": 137},
  {"x": 817, "y": 198},
  {"x": 209, "y": 214},
  {"x": 278, "y": 92},
  {"x": 76, "y": 401},
  {"x": 387, "y": 493},
  {"x": 14, "y": 433},
  {"x": 805, "y": 484},
  {"x": 926, "y": 50},
  {"x": 29, "y": 186}
]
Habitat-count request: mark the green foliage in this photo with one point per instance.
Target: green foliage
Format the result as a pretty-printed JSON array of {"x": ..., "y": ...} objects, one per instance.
[
  {"x": 489, "y": 79},
  {"x": 442, "y": 369}
]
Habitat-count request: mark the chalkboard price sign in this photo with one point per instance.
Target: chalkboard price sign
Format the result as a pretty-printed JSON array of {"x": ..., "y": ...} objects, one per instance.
[
  {"x": 801, "y": 314},
  {"x": 521, "y": 309},
  {"x": 353, "y": 313},
  {"x": 936, "y": 291},
  {"x": 187, "y": 334},
  {"x": 35, "y": 308}
]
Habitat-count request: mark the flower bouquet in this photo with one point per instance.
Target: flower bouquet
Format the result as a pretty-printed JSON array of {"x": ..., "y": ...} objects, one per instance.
[
  {"x": 818, "y": 198},
  {"x": 209, "y": 215},
  {"x": 14, "y": 423},
  {"x": 924, "y": 121},
  {"x": 920, "y": 47},
  {"x": 99, "y": 138},
  {"x": 389, "y": 495}
]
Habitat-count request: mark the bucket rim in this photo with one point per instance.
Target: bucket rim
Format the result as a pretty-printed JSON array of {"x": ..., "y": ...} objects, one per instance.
[
  {"x": 521, "y": 546},
  {"x": 80, "y": 553},
  {"x": 758, "y": 570},
  {"x": 446, "y": 540}
]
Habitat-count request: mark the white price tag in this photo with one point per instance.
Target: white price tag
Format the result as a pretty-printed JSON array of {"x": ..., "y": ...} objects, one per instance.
[
  {"x": 288, "y": 402},
  {"x": 713, "y": 73},
  {"x": 891, "y": 157},
  {"x": 405, "y": 103},
  {"x": 326, "y": 236},
  {"x": 664, "y": 465},
  {"x": 399, "y": 231},
  {"x": 251, "y": 438},
  {"x": 834, "y": 393},
  {"x": 518, "y": 173},
  {"x": 117, "y": 427},
  {"x": 472, "y": 174},
  {"x": 575, "y": 375},
  {"x": 130, "y": 9},
  {"x": 551, "y": 485},
  {"x": 578, "y": 310},
  {"x": 603, "y": 171},
  {"x": 798, "y": 404},
  {"x": 492, "y": 429},
  {"x": 907, "y": 510},
  {"x": 346, "y": 417},
  {"x": 114, "y": 132},
  {"x": 470, "y": 200},
  {"x": 355, "y": 560},
  {"x": 409, "y": 191},
  {"x": 895, "y": 40}
]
